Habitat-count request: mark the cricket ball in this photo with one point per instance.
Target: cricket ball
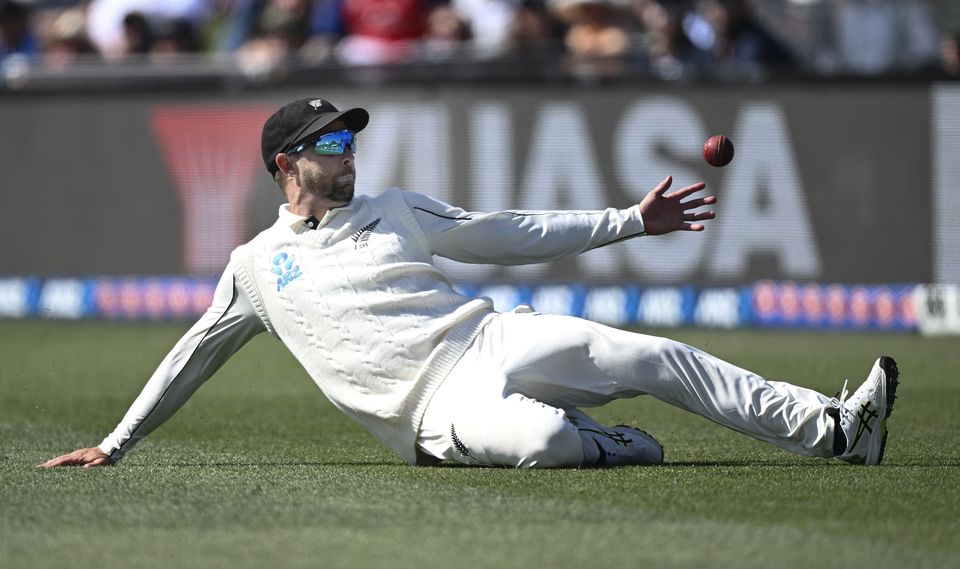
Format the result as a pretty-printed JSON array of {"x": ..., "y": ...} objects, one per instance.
[{"x": 718, "y": 150}]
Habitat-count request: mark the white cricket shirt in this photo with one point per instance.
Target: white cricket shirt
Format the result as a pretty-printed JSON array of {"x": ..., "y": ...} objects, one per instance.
[{"x": 358, "y": 301}]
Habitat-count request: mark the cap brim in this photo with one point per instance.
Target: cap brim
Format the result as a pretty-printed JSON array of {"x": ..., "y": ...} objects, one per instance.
[{"x": 355, "y": 119}]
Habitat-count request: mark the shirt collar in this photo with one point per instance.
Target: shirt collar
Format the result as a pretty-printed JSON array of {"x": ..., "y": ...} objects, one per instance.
[
  {"x": 290, "y": 219},
  {"x": 297, "y": 222}
]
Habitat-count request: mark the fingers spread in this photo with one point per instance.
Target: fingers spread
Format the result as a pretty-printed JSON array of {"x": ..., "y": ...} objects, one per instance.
[
  {"x": 684, "y": 192},
  {"x": 699, "y": 216},
  {"x": 663, "y": 186},
  {"x": 59, "y": 461},
  {"x": 700, "y": 202},
  {"x": 76, "y": 458}
]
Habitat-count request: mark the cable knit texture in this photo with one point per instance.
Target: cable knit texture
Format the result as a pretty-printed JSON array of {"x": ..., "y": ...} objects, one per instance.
[{"x": 359, "y": 304}]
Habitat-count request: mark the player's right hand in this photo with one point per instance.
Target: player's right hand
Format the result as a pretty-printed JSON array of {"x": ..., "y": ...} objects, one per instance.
[
  {"x": 85, "y": 457},
  {"x": 663, "y": 212}
]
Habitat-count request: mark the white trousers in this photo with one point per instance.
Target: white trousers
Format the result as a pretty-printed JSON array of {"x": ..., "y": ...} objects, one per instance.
[{"x": 505, "y": 402}]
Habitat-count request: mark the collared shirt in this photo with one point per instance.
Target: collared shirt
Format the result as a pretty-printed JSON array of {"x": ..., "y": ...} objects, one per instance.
[{"x": 358, "y": 300}]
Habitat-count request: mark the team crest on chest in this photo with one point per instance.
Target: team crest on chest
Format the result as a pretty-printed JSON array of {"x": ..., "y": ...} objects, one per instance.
[
  {"x": 362, "y": 236},
  {"x": 286, "y": 269}
]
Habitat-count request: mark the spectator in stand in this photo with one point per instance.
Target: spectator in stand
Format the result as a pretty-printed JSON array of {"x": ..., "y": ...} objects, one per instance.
[
  {"x": 16, "y": 37},
  {"x": 137, "y": 35},
  {"x": 66, "y": 41},
  {"x": 670, "y": 52},
  {"x": 382, "y": 31},
  {"x": 596, "y": 27},
  {"x": 326, "y": 29},
  {"x": 446, "y": 34},
  {"x": 105, "y": 19},
  {"x": 534, "y": 30},
  {"x": 173, "y": 38},
  {"x": 598, "y": 38},
  {"x": 738, "y": 39},
  {"x": 874, "y": 37},
  {"x": 489, "y": 22},
  {"x": 264, "y": 32},
  {"x": 950, "y": 53},
  {"x": 282, "y": 30},
  {"x": 233, "y": 23}
]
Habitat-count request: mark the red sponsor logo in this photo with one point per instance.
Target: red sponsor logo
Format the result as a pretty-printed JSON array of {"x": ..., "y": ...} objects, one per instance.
[
  {"x": 154, "y": 299},
  {"x": 765, "y": 299},
  {"x": 812, "y": 303},
  {"x": 836, "y": 304},
  {"x": 907, "y": 309},
  {"x": 860, "y": 306},
  {"x": 106, "y": 298},
  {"x": 884, "y": 306},
  {"x": 790, "y": 301},
  {"x": 130, "y": 298},
  {"x": 202, "y": 296},
  {"x": 213, "y": 153}
]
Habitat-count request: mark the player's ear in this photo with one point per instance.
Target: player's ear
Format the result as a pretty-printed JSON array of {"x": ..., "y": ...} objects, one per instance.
[{"x": 284, "y": 163}]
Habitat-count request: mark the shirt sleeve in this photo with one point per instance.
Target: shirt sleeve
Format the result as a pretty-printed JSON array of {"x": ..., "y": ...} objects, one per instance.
[
  {"x": 227, "y": 325},
  {"x": 519, "y": 237}
]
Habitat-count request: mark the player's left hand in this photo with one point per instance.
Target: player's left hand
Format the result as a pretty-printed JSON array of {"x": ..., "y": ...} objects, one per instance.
[
  {"x": 86, "y": 457},
  {"x": 663, "y": 213}
]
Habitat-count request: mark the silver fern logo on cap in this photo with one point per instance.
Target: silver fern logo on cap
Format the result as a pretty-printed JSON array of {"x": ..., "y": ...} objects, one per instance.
[{"x": 317, "y": 103}]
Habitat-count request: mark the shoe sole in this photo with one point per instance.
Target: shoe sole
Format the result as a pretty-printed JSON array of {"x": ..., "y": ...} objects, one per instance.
[{"x": 892, "y": 380}]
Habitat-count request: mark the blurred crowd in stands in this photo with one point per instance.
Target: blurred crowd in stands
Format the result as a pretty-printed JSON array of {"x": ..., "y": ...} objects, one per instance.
[{"x": 666, "y": 38}]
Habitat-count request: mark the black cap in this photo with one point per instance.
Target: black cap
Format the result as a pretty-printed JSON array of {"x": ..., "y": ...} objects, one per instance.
[{"x": 296, "y": 121}]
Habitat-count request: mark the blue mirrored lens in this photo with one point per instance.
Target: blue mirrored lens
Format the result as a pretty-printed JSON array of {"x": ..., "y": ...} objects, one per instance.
[
  {"x": 330, "y": 144},
  {"x": 334, "y": 143}
]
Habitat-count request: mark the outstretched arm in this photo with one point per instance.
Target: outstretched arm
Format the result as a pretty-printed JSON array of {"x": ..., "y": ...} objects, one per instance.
[
  {"x": 226, "y": 326},
  {"x": 521, "y": 237},
  {"x": 663, "y": 212}
]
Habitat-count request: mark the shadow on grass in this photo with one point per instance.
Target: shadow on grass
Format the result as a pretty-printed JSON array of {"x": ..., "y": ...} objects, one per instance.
[
  {"x": 456, "y": 465},
  {"x": 262, "y": 464},
  {"x": 241, "y": 464},
  {"x": 746, "y": 464},
  {"x": 811, "y": 464}
]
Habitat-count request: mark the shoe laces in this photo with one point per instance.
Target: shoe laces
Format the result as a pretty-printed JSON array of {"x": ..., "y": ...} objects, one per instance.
[{"x": 841, "y": 396}]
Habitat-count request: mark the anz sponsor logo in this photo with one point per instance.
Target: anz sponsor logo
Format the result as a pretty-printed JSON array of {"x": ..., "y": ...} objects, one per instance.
[
  {"x": 286, "y": 269},
  {"x": 554, "y": 299},
  {"x": 661, "y": 307},
  {"x": 718, "y": 308},
  {"x": 14, "y": 298},
  {"x": 608, "y": 305}
]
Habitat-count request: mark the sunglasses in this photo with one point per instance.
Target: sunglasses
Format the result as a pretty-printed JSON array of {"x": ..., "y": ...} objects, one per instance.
[{"x": 329, "y": 144}]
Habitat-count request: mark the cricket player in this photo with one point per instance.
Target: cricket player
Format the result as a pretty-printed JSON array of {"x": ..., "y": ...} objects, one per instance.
[{"x": 348, "y": 284}]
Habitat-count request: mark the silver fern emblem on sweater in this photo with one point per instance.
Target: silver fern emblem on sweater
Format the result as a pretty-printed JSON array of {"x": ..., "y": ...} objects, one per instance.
[{"x": 363, "y": 235}]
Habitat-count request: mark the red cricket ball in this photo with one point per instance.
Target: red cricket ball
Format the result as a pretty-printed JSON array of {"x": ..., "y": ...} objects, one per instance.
[{"x": 718, "y": 150}]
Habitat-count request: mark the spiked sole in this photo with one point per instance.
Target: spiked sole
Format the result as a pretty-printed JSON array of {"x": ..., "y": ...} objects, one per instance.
[{"x": 892, "y": 375}]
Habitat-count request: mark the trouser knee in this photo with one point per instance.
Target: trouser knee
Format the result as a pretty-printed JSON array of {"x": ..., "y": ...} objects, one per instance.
[
  {"x": 525, "y": 434},
  {"x": 556, "y": 444}
]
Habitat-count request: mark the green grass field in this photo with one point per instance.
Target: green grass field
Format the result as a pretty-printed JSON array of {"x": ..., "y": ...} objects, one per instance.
[{"x": 258, "y": 470}]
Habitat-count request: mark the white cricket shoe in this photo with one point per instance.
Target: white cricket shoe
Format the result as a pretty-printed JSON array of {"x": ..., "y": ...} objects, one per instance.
[
  {"x": 863, "y": 417},
  {"x": 618, "y": 446}
]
